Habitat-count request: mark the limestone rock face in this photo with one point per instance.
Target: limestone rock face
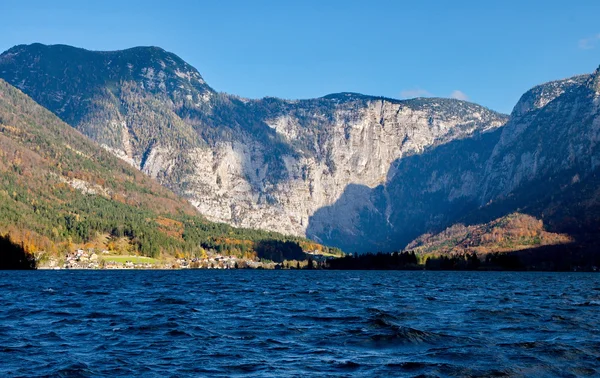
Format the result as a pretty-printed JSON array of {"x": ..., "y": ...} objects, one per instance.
[
  {"x": 268, "y": 164},
  {"x": 543, "y": 161},
  {"x": 354, "y": 171},
  {"x": 558, "y": 134},
  {"x": 354, "y": 144},
  {"x": 540, "y": 95}
]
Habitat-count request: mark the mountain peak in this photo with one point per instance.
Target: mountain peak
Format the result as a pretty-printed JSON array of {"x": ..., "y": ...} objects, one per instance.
[
  {"x": 151, "y": 65},
  {"x": 66, "y": 79},
  {"x": 540, "y": 95}
]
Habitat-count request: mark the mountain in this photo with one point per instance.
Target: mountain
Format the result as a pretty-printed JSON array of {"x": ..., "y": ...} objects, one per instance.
[
  {"x": 422, "y": 193},
  {"x": 359, "y": 172},
  {"x": 543, "y": 162},
  {"x": 269, "y": 163},
  {"x": 58, "y": 190}
]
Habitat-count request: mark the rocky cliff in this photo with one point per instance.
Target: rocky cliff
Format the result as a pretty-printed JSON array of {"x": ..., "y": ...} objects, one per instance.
[
  {"x": 543, "y": 162},
  {"x": 268, "y": 163},
  {"x": 355, "y": 171}
]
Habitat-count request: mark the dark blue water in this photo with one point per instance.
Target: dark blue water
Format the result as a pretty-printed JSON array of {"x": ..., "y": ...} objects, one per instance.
[{"x": 295, "y": 323}]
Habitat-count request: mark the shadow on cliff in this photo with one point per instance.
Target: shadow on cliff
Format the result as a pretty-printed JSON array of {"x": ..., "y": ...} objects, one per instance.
[
  {"x": 423, "y": 193},
  {"x": 563, "y": 189},
  {"x": 443, "y": 186},
  {"x": 14, "y": 256}
]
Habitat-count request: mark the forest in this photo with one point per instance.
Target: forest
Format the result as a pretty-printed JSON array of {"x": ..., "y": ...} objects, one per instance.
[
  {"x": 545, "y": 258},
  {"x": 60, "y": 191}
]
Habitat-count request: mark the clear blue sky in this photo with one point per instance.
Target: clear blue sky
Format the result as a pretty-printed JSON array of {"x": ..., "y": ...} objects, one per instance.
[{"x": 491, "y": 51}]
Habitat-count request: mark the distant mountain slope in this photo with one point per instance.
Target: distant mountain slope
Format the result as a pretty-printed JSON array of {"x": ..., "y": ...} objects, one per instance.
[
  {"x": 422, "y": 193},
  {"x": 543, "y": 162},
  {"x": 268, "y": 164},
  {"x": 57, "y": 187},
  {"x": 514, "y": 242}
]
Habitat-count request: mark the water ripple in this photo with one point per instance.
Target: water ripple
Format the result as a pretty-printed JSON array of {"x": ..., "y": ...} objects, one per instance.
[{"x": 294, "y": 323}]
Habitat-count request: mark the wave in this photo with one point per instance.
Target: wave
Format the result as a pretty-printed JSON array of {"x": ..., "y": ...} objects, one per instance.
[
  {"x": 78, "y": 369},
  {"x": 178, "y": 333},
  {"x": 382, "y": 329},
  {"x": 96, "y": 292},
  {"x": 317, "y": 318},
  {"x": 171, "y": 301}
]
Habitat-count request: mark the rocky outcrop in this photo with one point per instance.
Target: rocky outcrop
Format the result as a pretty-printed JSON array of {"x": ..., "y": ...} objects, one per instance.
[
  {"x": 544, "y": 162},
  {"x": 540, "y": 95},
  {"x": 268, "y": 164},
  {"x": 355, "y": 171},
  {"x": 354, "y": 144},
  {"x": 423, "y": 192},
  {"x": 557, "y": 135}
]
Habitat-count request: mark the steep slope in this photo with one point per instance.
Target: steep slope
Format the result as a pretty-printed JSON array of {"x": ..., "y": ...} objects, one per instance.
[
  {"x": 543, "y": 162},
  {"x": 268, "y": 164},
  {"x": 58, "y": 188},
  {"x": 547, "y": 160},
  {"x": 423, "y": 193},
  {"x": 557, "y": 134}
]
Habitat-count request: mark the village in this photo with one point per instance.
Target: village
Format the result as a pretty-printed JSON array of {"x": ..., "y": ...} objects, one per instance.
[{"x": 92, "y": 259}]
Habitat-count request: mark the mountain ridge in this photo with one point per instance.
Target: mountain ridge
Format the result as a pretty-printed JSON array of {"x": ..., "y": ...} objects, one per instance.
[
  {"x": 263, "y": 163},
  {"x": 329, "y": 167},
  {"x": 542, "y": 162}
]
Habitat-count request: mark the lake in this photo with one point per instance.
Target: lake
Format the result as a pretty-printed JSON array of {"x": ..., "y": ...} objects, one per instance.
[{"x": 298, "y": 323}]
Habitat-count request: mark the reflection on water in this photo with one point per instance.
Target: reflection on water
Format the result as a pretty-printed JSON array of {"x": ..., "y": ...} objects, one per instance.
[{"x": 291, "y": 323}]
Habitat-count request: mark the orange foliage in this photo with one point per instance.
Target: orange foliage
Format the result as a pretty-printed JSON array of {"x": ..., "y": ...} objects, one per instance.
[
  {"x": 309, "y": 247},
  {"x": 170, "y": 227},
  {"x": 30, "y": 241}
]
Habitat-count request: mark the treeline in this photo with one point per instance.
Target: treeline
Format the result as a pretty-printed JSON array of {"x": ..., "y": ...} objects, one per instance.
[
  {"x": 470, "y": 261},
  {"x": 411, "y": 261},
  {"x": 14, "y": 256},
  {"x": 573, "y": 257},
  {"x": 375, "y": 261}
]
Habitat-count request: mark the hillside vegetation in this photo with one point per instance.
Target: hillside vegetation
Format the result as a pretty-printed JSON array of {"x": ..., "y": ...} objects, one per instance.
[
  {"x": 513, "y": 242},
  {"x": 510, "y": 233},
  {"x": 59, "y": 191}
]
